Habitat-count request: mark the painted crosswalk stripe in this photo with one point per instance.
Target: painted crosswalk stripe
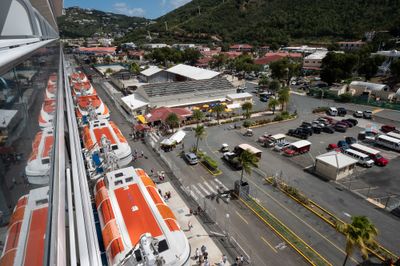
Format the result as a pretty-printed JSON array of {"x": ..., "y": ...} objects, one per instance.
[
  {"x": 220, "y": 183},
  {"x": 202, "y": 188},
  {"x": 210, "y": 187},
  {"x": 198, "y": 191}
]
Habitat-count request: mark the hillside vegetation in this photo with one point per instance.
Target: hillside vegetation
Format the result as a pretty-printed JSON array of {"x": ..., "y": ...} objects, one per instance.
[
  {"x": 269, "y": 21},
  {"x": 79, "y": 22}
]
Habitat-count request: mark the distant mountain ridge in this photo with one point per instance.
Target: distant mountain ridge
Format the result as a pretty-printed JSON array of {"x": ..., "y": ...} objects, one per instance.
[
  {"x": 78, "y": 22},
  {"x": 268, "y": 21}
]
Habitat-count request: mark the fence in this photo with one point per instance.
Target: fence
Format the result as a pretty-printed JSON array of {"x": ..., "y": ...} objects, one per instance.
[{"x": 381, "y": 104}]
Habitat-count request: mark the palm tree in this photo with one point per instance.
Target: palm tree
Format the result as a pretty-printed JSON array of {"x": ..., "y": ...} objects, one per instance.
[
  {"x": 198, "y": 115},
  {"x": 219, "y": 108},
  {"x": 199, "y": 133},
  {"x": 247, "y": 106},
  {"x": 274, "y": 86},
  {"x": 272, "y": 104},
  {"x": 284, "y": 96},
  {"x": 360, "y": 233},
  {"x": 247, "y": 160},
  {"x": 172, "y": 121}
]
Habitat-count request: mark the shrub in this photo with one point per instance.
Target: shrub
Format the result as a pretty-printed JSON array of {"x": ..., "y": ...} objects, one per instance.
[
  {"x": 210, "y": 162},
  {"x": 247, "y": 123},
  {"x": 320, "y": 109},
  {"x": 345, "y": 97},
  {"x": 278, "y": 118}
]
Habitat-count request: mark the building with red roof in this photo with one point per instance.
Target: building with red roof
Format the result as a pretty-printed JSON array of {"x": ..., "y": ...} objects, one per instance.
[
  {"x": 241, "y": 47},
  {"x": 232, "y": 54},
  {"x": 96, "y": 50},
  {"x": 276, "y": 56},
  {"x": 161, "y": 114}
]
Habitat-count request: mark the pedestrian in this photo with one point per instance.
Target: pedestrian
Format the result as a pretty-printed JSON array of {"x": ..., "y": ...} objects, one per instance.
[
  {"x": 159, "y": 191},
  {"x": 197, "y": 254},
  {"x": 241, "y": 259},
  {"x": 206, "y": 262},
  {"x": 203, "y": 249},
  {"x": 142, "y": 154},
  {"x": 152, "y": 171},
  {"x": 224, "y": 258},
  {"x": 190, "y": 226},
  {"x": 183, "y": 146}
]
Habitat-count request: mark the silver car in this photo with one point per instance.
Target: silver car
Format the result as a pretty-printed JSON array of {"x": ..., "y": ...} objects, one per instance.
[
  {"x": 191, "y": 158},
  {"x": 281, "y": 145}
]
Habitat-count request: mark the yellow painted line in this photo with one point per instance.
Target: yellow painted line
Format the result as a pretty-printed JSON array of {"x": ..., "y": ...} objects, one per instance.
[
  {"x": 375, "y": 111},
  {"x": 279, "y": 234},
  {"x": 304, "y": 222},
  {"x": 242, "y": 217},
  {"x": 266, "y": 242}
]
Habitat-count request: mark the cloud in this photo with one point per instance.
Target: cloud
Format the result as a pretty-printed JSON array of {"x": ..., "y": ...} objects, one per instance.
[
  {"x": 123, "y": 8},
  {"x": 178, "y": 3}
]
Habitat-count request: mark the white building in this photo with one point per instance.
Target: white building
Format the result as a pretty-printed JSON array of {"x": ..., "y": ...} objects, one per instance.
[
  {"x": 153, "y": 74},
  {"x": 236, "y": 100},
  {"x": 184, "y": 46},
  {"x": 304, "y": 49},
  {"x": 184, "y": 72},
  {"x": 334, "y": 165},
  {"x": 314, "y": 60},
  {"x": 155, "y": 45},
  {"x": 134, "y": 104},
  {"x": 376, "y": 90}
]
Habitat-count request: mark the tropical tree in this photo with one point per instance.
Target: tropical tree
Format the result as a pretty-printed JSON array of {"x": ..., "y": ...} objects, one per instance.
[
  {"x": 360, "y": 233},
  {"x": 263, "y": 82},
  {"x": 247, "y": 106},
  {"x": 274, "y": 86},
  {"x": 248, "y": 160},
  {"x": 199, "y": 133},
  {"x": 272, "y": 104},
  {"x": 172, "y": 121},
  {"x": 198, "y": 116},
  {"x": 219, "y": 108},
  {"x": 135, "y": 68},
  {"x": 218, "y": 61},
  {"x": 395, "y": 69},
  {"x": 284, "y": 96}
]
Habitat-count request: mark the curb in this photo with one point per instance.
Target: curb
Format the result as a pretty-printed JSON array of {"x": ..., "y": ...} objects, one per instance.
[
  {"x": 213, "y": 174},
  {"x": 274, "y": 122}
]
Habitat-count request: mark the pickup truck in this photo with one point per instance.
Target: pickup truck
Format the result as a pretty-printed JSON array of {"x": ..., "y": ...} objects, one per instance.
[{"x": 232, "y": 159}]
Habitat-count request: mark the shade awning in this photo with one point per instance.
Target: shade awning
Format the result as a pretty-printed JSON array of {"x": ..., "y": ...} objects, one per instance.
[
  {"x": 141, "y": 119},
  {"x": 206, "y": 106},
  {"x": 195, "y": 108}
]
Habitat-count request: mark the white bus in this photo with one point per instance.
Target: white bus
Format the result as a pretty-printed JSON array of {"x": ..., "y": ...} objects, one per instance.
[
  {"x": 372, "y": 153},
  {"x": 388, "y": 142},
  {"x": 393, "y": 135},
  {"x": 362, "y": 158}
]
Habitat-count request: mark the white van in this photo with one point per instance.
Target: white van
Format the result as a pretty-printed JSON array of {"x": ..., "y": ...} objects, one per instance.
[
  {"x": 362, "y": 158},
  {"x": 332, "y": 111}
]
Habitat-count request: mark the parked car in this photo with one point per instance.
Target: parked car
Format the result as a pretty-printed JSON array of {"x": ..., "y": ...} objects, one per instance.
[
  {"x": 350, "y": 140},
  {"x": 281, "y": 145},
  {"x": 340, "y": 128},
  {"x": 358, "y": 114},
  {"x": 367, "y": 136},
  {"x": 328, "y": 129},
  {"x": 329, "y": 119},
  {"x": 332, "y": 146},
  {"x": 317, "y": 129},
  {"x": 353, "y": 121},
  {"x": 191, "y": 158},
  {"x": 332, "y": 111},
  {"x": 367, "y": 114},
  {"x": 307, "y": 129},
  {"x": 349, "y": 124},
  {"x": 248, "y": 133},
  {"x": 341, "y": 111},
  {"x": 298, "y": 147},
  {"x": 224, "y": 147},
  {"x": 343, "y": 144},
  {"x": 232, "y": 159},
  {"x": 387, "y": 128},
  {"x": 297, "y": 133}
]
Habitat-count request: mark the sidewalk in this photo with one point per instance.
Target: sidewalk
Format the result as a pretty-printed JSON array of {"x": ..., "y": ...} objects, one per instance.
[{"x": 197, "y": 236}]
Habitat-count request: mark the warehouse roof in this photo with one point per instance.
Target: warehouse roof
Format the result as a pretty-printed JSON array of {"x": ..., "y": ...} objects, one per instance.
[
  {"x": 369, "y": 85},
  {"x": 191, "y": 72},
  {"x": 151, "y": 71},
  {"x": 336, "y": 159}
]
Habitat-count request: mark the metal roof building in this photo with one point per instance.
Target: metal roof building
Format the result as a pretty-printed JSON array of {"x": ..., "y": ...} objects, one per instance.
[
  {"x": 186, "y": 93},
  {"x": 192, "y": 73},
  {"x": 334, "y": 165}
]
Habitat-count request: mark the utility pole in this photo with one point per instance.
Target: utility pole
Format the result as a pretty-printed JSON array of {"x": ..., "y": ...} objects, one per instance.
[
  {"x": 199, "y": 9},
  {"x": 166, "y": 26}
]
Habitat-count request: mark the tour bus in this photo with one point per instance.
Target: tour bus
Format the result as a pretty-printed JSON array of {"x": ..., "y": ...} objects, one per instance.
[
  {"x": 362, "y": 158},
  {"x": 375, "y": 155},
  {"x": 388, "y": 142},
  {"x": 243, "y": 147},
  {"x": 393, "y": 135},
  {"x": 274, "y": 139}
]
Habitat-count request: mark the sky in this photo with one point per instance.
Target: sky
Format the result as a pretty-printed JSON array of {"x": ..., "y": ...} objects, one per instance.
[{"x": 140, "y": 8}]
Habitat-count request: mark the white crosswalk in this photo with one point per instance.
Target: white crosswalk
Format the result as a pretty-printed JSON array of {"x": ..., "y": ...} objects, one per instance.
[
  {"x": 154, "y": 137},
  {"x": 206, "y": 188}
]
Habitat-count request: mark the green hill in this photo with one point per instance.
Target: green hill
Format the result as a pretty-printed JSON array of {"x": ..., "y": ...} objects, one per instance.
[
  {"x": 79, "y": 22},
  {"x": 268, "y": 21}
]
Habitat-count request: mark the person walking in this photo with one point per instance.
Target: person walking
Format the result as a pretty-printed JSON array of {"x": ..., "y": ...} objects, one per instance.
[
  {"x": 190, "y": 226},
  {"x": 224, "y": 258},
  {"x": 142, "y": 154},
  {"x": 203, "y": 249},
  {"x": 197, "y": 254}
]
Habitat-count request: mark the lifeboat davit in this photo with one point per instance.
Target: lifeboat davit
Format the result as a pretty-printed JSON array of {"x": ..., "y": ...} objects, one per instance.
[
  {"x": 91, "y": 103},
  {"x": 47, "y": 112},
  {"x": 25, "y": 238},
  {"x": 102, "y": 137},
  {"x": 132, "y": 215},
  {"x": 38, "y": 166}
]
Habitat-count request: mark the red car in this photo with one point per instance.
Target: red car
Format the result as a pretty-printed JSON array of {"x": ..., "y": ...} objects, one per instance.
[
  {"x": 333, "y": 146},
  {"x": 387, "y": 128}
]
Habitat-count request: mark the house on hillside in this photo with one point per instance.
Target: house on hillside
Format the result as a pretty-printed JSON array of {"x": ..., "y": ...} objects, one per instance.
[
  {"x": 241, "y": 48},
  {"x": 276, "y": 56},
  {"x": 350, "y": 46}
]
